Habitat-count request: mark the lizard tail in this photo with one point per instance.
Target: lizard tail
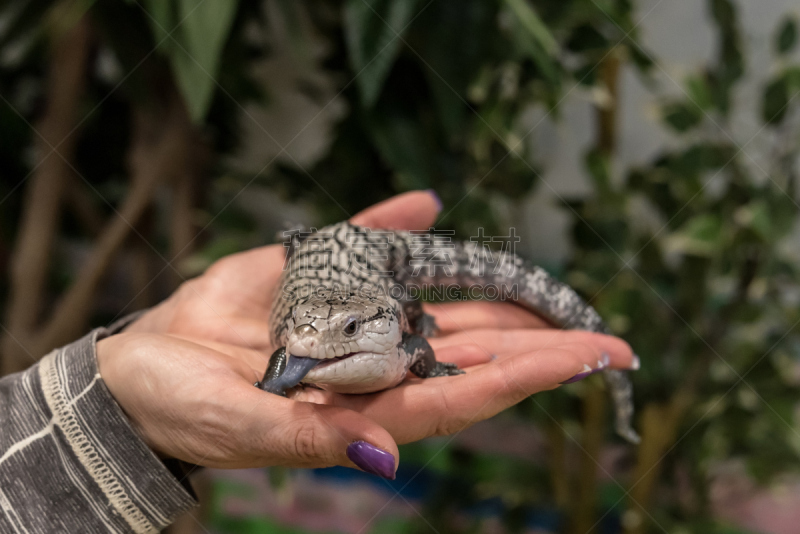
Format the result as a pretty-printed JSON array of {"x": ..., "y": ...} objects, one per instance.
[{"x": 440, "y": 261}]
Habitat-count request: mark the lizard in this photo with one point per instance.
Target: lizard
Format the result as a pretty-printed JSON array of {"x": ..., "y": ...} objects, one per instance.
[{"x": 344, "y": 319}]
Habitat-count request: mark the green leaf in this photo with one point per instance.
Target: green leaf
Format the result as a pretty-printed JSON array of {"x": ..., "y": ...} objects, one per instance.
[
  {"x": 700, "y": 236},
  {"x": 374, "y": 32},
  {"x": 642, "y": 59},
  {"x": 402, "y": 144},
  {"x": 787, "y": 36},
  {"x": 681, "y": 116},
  {"x": 729, "y": 66},
  {"x": 699, "y": 92},
  {"x": 533, "y": 40},
  {"x": 775, "y": 101},
  {"x": 204, "y": 27},
  {"x": 23, "y": 20},
  {"x": 533, "y": 24},
  {"x": 586, "y": 37},
  {"x": 757, "y": 216},
  {"x": 163, "y": 18},
  {"x": 597, "y": 165},
  {"x": 792, "y": 75},
  {"x": 468, "y": 37}
]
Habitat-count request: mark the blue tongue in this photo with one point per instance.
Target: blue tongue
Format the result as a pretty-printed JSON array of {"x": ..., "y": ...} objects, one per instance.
[{"x": 296, "y": 369}]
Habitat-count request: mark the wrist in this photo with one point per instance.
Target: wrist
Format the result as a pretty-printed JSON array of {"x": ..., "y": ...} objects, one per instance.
[{"x": 109, "y": 351}]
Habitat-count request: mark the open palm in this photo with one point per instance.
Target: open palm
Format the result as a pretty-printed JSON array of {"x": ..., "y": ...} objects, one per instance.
[{"x": 217, "y": 418}]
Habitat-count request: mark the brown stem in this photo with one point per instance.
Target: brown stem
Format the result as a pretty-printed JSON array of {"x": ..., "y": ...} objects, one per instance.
[
  {"x": 159, "y": 152},
  {"x": 594, "y": 403},
  {"x": 606, "y": 133},
  {"x": 83, "y": 208},
  {"x": 559, "y": 475},
  {"x": 41, "y": 208},
  {"x": 594, "y": 408},
  {"x": 143, "y": 285},
  {"x": 659, "y": 424},
  {"x": 183, "y": 231}
]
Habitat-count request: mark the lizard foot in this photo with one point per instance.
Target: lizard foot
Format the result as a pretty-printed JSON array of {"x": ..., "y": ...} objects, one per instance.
[
  {"x": 422, "y": 324},
  {"x": 426, "y": 326},
  {"x": 444, "y": 369},
  {"x": 426, "y": 365}
]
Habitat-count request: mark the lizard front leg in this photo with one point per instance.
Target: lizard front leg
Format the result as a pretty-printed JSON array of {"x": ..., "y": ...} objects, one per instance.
[
  {"x": 424, "y": 365},
  {"x": 421, "y": 323}
]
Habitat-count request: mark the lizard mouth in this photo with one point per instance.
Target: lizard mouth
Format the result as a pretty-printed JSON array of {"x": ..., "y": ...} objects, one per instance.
[{"x": 330, "y": 361}]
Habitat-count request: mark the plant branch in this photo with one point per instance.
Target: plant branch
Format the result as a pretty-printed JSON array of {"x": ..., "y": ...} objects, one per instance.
[
  {"x": 41, "y": 209},
  {"x": 594, "y": 402},
  {"x": 606, "y": 123},
  {"x": 80, "y": 203},
  {"x": 159, "y": 153},
  {"x": 594, "y": 408},
  {"x": 559, "y": 476},
  {"x": 185, "y": 192}
]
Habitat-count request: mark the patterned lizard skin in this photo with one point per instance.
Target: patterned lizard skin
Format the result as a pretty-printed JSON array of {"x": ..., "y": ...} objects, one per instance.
[{"x": 344, "y": 274}]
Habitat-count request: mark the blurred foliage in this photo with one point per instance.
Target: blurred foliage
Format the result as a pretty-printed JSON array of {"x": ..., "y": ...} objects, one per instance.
[
  {"x": 436, "y": 93},
  {"x": 688, "y": 257}
]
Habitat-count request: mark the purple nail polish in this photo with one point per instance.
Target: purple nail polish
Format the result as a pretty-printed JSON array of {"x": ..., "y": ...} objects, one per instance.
[
  {"x": 371, "y": 459},
  {"x": 492, "y": 357},
  {"x": 586, "y": 371},
  {"x": 579, "y": 376},
  {"x": 436, "y": 199}
]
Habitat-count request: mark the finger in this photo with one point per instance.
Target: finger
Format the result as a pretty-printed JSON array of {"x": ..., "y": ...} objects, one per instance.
[
  {"x": 440, "y": 406},
  {"x": 302, "y": 434},
  {"x": 511, "y": 342},
  {"x": 251, "y": 272},
  {"x": 415, "y": 210},
  {"x": 462, "y": 355},
  {"x": 457, "y": 316}
]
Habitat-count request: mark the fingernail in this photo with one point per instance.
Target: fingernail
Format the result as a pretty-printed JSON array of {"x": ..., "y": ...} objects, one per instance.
[
  {"x": 635, "y": 363},
  {"x": 580, "y": 376},
  {"x": 436, "y": 199},
  {"x": 371, "y": 459},
  {"x": 605, "y": 359}
]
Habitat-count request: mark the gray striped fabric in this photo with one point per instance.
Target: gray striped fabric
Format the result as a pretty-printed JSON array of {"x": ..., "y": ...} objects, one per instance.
[{"x": 70, "y": 460}]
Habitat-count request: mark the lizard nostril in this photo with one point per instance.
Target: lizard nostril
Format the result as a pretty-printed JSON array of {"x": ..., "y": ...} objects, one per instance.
[{"x": 305, "y": 330}]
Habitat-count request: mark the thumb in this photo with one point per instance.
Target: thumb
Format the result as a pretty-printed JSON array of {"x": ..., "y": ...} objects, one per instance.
[
  {"x": 303, "y": 434},
  {"x": 415, "y": 210}
]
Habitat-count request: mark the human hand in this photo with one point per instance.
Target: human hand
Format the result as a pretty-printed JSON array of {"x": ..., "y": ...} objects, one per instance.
[
  {"x": 227, "y": 310},
  {"x": 199, "y": 405},
  {"x": 196, "y": 401}
]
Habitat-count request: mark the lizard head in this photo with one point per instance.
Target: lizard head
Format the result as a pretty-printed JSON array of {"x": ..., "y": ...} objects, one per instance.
[
  {"x": 331, "y": 327},
  {"x": 354, "y": 339}
]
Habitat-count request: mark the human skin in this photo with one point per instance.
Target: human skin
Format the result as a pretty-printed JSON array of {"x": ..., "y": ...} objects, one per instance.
[{"x": 184, "y": 371}]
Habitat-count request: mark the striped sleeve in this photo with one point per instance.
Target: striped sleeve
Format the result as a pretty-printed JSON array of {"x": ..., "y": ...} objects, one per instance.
[{"x": 70, "y": 460}]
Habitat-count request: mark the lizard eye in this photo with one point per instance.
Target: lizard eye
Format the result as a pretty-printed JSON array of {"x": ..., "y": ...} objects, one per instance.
[{"x": 351, "y": 327}]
